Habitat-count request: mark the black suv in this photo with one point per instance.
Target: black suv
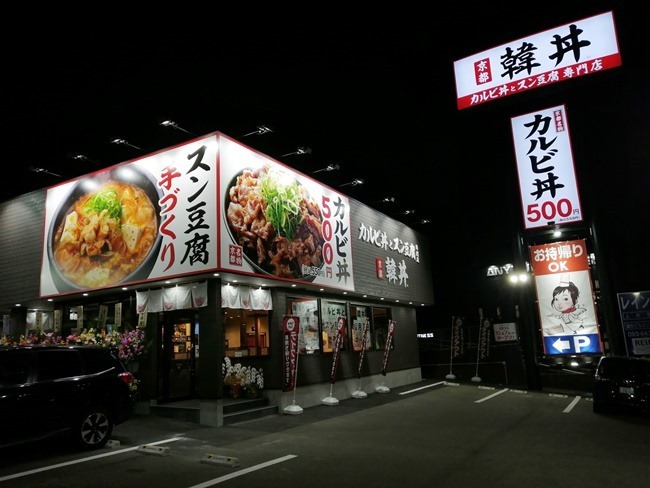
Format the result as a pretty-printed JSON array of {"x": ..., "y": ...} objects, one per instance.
[
  {"x": 78, "y": 391},
  {"x": 622, "y": 383}
]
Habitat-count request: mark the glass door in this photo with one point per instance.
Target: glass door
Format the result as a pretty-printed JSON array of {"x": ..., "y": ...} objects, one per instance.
[{"x": 178, "y": 369}]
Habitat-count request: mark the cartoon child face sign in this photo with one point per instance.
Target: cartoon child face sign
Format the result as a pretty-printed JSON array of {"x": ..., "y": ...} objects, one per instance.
[{"x": 564, "y": 301}]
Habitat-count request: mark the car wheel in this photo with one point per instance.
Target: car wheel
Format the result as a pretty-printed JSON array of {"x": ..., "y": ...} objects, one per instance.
[
  {"x": 598, "y": 407},
  {"x": 94, "y": 429}
]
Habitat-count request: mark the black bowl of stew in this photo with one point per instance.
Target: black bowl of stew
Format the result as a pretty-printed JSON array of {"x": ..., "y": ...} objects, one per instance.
[{"x": 105, "y": 231}]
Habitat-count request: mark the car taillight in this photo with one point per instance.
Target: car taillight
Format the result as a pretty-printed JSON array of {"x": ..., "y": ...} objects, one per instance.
[{"x": 126, "y": 377}]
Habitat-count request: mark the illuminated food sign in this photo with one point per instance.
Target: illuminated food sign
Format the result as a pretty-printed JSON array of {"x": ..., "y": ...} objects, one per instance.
[
  {"x": 138, "y": 221},
  {"x": 278, "y": 223}
]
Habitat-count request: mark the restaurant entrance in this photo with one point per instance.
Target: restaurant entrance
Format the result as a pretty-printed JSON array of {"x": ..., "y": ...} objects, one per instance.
[{"x": 179, "y": 355}]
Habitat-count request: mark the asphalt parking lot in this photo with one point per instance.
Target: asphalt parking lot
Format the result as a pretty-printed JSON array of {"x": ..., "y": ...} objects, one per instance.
[{"x": 432, "y": 433}]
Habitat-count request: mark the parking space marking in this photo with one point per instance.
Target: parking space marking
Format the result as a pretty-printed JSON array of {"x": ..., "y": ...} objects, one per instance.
[
  {"x": 422, "y": 388},
  {"x": 242, "y": 472},
  {"x": 572, "y": 404},
  {"x": 77, "y": 461},
  {"x": 492, "y": 395}
]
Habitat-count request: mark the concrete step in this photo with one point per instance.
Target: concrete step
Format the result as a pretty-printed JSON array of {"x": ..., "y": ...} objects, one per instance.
[
  {"x": 239, "y": 410},
  {"x": 234, "y": 410}
]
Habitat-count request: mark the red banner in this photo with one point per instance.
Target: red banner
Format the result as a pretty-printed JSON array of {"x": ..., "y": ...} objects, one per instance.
[
  {"x": 338, "y": 343},
  {"x": 457, "y": 332},
  {"x": 290, "y": 331},
  {"x": 484, "y": 338},
  {"x": 389, "y": 343},
  {"x": 363, "y": 346}
]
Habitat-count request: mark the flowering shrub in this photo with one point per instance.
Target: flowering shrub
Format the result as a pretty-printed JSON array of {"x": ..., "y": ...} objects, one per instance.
[
  {"x": 130, "y": 345},
  {"x": 249, "y": 377}
]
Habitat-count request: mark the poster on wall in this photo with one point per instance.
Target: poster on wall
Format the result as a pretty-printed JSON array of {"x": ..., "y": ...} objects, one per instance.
[
  {"x": 280, "y": 224},
  {"x": 138, "y": 221},
  {"x": 565, "y": 300},
  {"x": 547, "y": 179},
  {"x": 307, "y": 313}
]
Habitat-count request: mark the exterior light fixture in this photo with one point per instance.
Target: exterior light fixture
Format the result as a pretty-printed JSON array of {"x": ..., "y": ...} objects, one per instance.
[
  {"x": 299, "y": 151},
  {"x": 33, "y": 169},
  {"x": 174, "y": 125},
  {"x": 329, "y": 167},
  {"x": 126, "y": 143},
  {"x": 354, "y": 182},
  {"x": 261, "y": 129},
  {"x": 82, "y": 157}
]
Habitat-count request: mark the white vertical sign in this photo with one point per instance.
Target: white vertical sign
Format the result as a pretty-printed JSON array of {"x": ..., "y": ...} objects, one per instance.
[{"x": 547, "y": 180}]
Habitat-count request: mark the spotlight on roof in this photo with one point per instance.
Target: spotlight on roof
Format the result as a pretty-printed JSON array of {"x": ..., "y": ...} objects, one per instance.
[
  {"x": 299, "y": 151},
  {"x": 329, "y": 167},
  {"x": 126, "y": 143},
  {"x": 261, "y": 129},
  {"x": 174, "y": 125},
  {"x": 354, "y": 182}
]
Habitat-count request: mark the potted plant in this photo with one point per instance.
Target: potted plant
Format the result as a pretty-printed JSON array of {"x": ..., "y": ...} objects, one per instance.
[{"x": 238, "y": 377}]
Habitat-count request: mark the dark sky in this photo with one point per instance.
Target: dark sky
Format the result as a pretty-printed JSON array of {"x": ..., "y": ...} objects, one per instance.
[{"x": 372, "y": 91}]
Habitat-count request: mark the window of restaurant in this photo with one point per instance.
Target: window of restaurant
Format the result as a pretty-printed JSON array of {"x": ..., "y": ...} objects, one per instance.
[
  {"x": 318, "y": 321},
  {"x": 360, "y": 321},
  {"x": 306, "y": 309},
  {"x": 330, "y": 313},
  {"x": 380, "y": 320},
  {"x": 246, "y": 332}
]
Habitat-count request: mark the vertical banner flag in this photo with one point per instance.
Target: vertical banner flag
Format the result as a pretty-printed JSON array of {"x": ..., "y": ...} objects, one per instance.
[
  {"x": 80, "y": 317},
  {"x": 484, "y": 338},
  {"x": 39, "y": 320},
  {"x": 290, "y": 331},
  {"x": 363, "y": 347},
  {"x": 103, "y": 313},
  {"x": 457, "y": 337},
  {"x": 389, "y": 343},
  {"x": 565, "y": 301},
  {"x": 118, "y": 314},
  {"x": 57, "y": 320},
  {"x": 142, "y": 320},
  {"x": 338, "y": 344}
]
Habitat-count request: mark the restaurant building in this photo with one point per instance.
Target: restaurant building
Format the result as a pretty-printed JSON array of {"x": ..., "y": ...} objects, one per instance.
[{"x": 214, "y": 251}]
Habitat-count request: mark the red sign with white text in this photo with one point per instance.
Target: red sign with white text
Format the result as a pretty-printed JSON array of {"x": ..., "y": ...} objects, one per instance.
[
  {"x": 569, "y": 51},
  {"x": 290, "y": 331}
]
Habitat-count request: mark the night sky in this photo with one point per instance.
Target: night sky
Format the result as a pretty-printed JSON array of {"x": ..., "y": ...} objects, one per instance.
[{"x": 373, "y": 92}]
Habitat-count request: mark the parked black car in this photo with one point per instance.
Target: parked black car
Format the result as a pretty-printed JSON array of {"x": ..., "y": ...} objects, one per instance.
[
  {"x": 622, "y": 383},
  {"x": 80, "y": 392}
]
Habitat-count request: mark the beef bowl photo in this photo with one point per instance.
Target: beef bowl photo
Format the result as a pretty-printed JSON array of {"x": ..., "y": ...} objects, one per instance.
[
  {"x": 105, "y": 231},
  {"x": 276, "y": 222}
]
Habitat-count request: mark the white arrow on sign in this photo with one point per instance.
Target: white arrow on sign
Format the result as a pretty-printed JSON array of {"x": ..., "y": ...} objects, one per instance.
[{"x": 561, "y": 345}]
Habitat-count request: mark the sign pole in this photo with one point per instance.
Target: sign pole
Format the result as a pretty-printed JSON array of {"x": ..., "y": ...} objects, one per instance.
[{"x": 477, "y": 378}]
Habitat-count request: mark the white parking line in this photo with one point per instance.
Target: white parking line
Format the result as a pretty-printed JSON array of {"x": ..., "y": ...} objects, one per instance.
[
  {"x": 242, "y": 472},
  {"x": 492, "y": 395},
  {"x": 77, "y": 461},
  {"x": 572, "y": 404},
  {"x": 422, "y": 388}
]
